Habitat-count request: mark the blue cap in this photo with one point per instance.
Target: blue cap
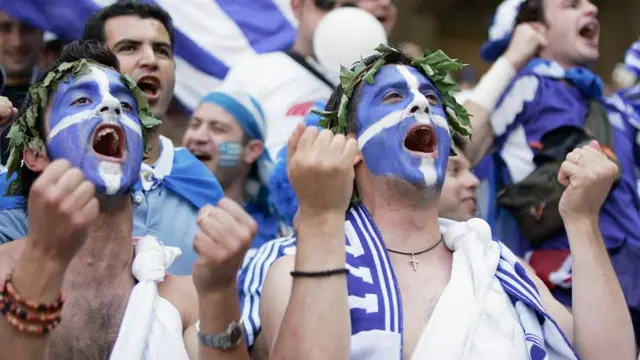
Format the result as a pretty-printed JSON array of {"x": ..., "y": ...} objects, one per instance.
[{"x": 501, "y": 29}]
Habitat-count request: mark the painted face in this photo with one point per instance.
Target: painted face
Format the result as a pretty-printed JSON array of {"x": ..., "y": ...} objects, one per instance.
[
  {"x": 94, "y": 124},
  {"x": 402, "y": 128}
]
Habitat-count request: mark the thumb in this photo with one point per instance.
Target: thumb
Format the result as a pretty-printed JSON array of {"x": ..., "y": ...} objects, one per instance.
[{"x": 596, "y": 145}]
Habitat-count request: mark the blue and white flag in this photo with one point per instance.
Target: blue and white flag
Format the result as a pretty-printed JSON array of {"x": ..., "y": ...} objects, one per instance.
[{"x": 211, "y": 35}]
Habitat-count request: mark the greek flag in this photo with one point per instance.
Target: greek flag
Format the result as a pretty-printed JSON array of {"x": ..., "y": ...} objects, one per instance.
[{"x": 211, "y": 35}]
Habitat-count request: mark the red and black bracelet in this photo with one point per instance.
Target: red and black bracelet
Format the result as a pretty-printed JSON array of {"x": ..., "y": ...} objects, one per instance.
[{"x": 9, "y": 291}]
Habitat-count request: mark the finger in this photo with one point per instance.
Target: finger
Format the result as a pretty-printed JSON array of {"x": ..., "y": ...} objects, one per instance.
[
  {"x": 574, "y": 156},
  {"x": 337, "y": 145},
  {"x": 567, "y": 171},
  {"x": 596, "y": 145},
  {"x": 323, "y": 141},
  {"x": 204, "y": 212},
  {"x": 350, "y": 152},
  {"x": 53, "y": 173},
  {"x": 89, "y": 212},
  {"x": 294, "y": 138},
  {"x": 219, "y": 225},
  {"x": 206, "y": 248},
  {"x": 238, "y": 213},
  {"x": 80, "y": 197},
  {"x": 14, "y": 112},
  {"x": 5, "y": 112},
  {"x": 69, "y": 182},
  {"x": 308, "y": 138}
]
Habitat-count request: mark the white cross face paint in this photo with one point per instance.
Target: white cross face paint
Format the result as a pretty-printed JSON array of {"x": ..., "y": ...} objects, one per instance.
[
  {"x": 94, "y": 124},
  {"x": 402, "y": 127}
]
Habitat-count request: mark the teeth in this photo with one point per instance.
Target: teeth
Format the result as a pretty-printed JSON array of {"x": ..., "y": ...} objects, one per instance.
[{"x": 106, "y": 131}]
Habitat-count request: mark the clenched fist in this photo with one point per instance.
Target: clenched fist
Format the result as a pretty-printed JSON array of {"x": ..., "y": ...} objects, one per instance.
[
  {"x": 526, "y": 41},
  {"x": 225, "y": 233},
  {"x": 61, "y": 207},
  {"x": 588, "y": 175},
  {"x": 321, "y": 169},
  {"x": 7, "y": 112}
]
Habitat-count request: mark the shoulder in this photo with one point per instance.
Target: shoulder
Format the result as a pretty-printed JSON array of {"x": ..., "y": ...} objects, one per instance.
[{"x": 182, "y": 294}]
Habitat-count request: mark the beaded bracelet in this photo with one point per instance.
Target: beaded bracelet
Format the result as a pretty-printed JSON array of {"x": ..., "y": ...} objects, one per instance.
[
  {"x": 28, "y": 328},
  {"x": 6, "y": 306},
  {"x": 9, "y": 290}
]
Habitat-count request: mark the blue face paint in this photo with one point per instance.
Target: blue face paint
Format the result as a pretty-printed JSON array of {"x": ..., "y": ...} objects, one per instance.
[
  {"x": 399, "y": 101},
  {"x": 230, "y": 153},
  {"x": 94, "y": 124}
]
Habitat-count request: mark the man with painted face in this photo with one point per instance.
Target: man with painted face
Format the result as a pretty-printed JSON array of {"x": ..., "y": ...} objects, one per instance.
[
  {"x": 173, "y": 184},
  {"x": 541, "y": 112},
  {"x": 76, "y": 149},
  {"x": 226, "y": 133},
  {"x": 392, "y": 281}
]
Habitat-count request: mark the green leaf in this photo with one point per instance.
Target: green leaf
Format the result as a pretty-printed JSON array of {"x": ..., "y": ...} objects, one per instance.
[
  {"x": 369, "y": 76},
  {"x": 346, "y": 76}
]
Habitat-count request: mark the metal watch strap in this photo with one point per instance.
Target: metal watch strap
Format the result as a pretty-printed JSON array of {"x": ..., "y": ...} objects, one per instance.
[{"x": 225, "y": 340}]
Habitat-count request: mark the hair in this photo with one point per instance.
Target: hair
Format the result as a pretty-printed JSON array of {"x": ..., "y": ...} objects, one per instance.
[
  {"x": 334, "y": 101},
  {"x": 531, "y": 11},
  {"x": 95, "y": 51},
  {"x": 94, "y": 29}
]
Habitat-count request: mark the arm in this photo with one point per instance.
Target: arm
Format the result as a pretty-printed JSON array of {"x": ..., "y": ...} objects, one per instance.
[
  {"x": 601, "y": 320},
  {"x": 316, "y": 322},
  {"x": 525, "y": 43},
  {"x": 38, "y": 278}
]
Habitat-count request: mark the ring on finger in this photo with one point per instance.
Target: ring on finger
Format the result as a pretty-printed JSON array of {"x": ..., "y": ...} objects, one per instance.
[{"x": 577, "y": 158}]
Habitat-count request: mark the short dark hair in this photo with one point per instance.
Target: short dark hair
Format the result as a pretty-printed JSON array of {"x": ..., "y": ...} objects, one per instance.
[
  {"x": 94, "y": 29},
  {"x": 92, "y": 50},
  {"x": 531, "y": 11},
  {"x": 334, "y": 101}
]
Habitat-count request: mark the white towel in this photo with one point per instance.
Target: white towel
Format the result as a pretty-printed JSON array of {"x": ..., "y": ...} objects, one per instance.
[{"x": 152, "y": 326}]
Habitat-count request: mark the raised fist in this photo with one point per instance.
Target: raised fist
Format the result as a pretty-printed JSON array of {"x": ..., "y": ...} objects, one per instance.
[
  {"x": 321, "y": 169},
  {"x": 225, "y": 233},
  {"x": 61, "y": 207},
  {"x": 588, "y": 175},
  {"x": 526, "y": 41},
  {"x": 7, "y": 112}
]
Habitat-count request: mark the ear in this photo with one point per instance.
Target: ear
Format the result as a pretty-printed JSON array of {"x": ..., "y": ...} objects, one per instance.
[
  {"x": 36, "y": 161},
  {"x": 358, "y": 158},
  {"x": 253, "y": 150},
  {"x": 296, "y": 7}
]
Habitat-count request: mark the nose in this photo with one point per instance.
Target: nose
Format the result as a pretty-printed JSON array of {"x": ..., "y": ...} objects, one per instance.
[
  {"x": 419, "y": 105},
  {"x": 471, "y": 181},
  {"x": 110, "y": 106},
  {"x": 197, "y": 136},
  {"x": 591, "y": 8},
  {"x": 148, "y": 58}
]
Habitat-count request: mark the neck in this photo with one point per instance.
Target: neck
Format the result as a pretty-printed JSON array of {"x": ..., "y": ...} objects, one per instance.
[
  {"x": 174, "y": 124},
  {"x": 234, "y": 189},
  {"x": 406, "y": 224},
  {"x": 154, "y": 152},
  {"x": 302, "y": 47},
  {"x": 108, "y": 249},
  {"x": 563, "y": 63}
]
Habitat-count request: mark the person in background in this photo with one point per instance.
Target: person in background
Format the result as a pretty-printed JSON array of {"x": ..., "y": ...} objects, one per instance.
[
  {"x": 20, "y": 46},
  {"x": 288, "y": 83},
  {"x": 52, "y": 47},
  {"x": 226, "y": 133}
]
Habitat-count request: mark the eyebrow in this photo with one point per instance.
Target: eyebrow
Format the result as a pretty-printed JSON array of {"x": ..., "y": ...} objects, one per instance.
[
  {"x": 211, "y": 121},
  {"x": 138, "y": 42}
]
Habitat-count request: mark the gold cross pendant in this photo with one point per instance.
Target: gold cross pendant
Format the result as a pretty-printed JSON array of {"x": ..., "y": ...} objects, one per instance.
[{"x": 413, "y": 262}]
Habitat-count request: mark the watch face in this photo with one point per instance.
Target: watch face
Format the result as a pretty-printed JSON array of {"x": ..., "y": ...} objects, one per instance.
[{"x": 235, "y": 335}]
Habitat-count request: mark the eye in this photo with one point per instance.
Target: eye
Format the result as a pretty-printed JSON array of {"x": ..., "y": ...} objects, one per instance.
[
  {"x": 81, "y": 101},
  {"x": 392, "y": 98},
  {"x": 125, "y": 105},
  {"x": 433, "y": 99}
]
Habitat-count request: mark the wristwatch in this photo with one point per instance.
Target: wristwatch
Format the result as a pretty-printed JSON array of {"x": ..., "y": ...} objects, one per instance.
[{"x": 231, "y": 338}]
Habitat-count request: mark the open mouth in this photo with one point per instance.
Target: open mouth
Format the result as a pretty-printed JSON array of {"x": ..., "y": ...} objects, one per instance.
[
  {"x": 421, "y": 139},
  {"x": 590, "y": 31},
  {"x": 200, "y": 155},
  {"x": 150, "y": 85},
  {"x": 109, "y": 143}
]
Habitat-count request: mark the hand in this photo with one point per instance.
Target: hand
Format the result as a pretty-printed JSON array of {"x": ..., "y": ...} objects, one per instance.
[
  {"x": 62, "y": 205},
  {"x": 225, "y": 233},
  {"x": 525, "y": 43},
  {"x": 7, "y": 112},
  {"x": 588, "y": 175},
  {"x": 321, "y": 169}
]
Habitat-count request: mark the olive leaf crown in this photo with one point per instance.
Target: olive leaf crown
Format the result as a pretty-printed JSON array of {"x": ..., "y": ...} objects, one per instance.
[
  {"x": 24, "y": 133},
  {"x": 435, "y": 65}
]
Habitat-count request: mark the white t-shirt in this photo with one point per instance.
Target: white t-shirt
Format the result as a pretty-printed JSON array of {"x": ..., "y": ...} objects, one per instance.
[{"x": 284, "y": 88}]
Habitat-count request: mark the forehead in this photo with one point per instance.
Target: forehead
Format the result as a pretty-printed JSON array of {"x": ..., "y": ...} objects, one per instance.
[
  {"x": 395, "y": 75},
  {"x": 214, "y": 113},
  {"x": 132, "y": 27},
  {"x": 96, "y": 74}
]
